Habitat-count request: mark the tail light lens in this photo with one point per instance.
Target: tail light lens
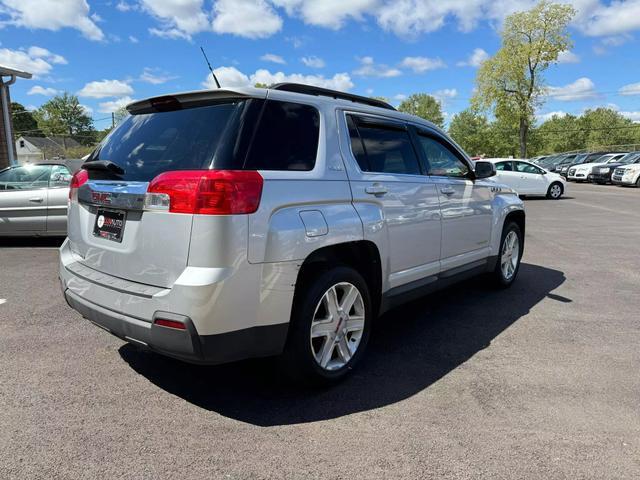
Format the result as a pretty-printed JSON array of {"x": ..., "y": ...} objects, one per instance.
[
  {"x": 207, "y": 192},
  {"x": 79, "y": 178}
]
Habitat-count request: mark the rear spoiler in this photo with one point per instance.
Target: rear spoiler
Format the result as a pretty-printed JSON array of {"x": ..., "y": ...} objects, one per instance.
[{"x": 191, "y": 99}]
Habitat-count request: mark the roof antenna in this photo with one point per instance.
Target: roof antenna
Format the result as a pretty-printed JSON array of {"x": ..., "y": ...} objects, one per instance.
[{"x": 210, "y": 69}]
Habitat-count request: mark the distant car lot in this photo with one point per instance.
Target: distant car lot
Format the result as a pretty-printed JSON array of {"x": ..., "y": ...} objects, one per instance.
[{"x": 544, "y": 386}]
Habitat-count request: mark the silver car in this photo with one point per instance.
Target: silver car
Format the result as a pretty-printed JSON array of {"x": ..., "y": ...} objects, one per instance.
[
  {"x": 33, "y": 199},
  {"x": 220, "y": 225}
]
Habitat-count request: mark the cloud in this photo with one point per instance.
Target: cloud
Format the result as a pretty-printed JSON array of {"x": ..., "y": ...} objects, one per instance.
[
  {"x": 133, "y": 39},
  {"x": 179, "y": 18},
  {"x": 232, "y": 77},
  {"x": 270, "y": 57},
  {"x": 170, "y": 33},
  {"x": 114, "y": 105},
  {"x": 630, "y": 89},
  {"x": 155, "y": 76},
  {"x": 543, "y": 117},
  {"x": 477, "y": 57},
  {"x": 245, "y": 18},
  {"x": 51, "y": 15},
  {"x": 368, "y": 68},
  {"x": 125, "y": 7},
  {"x": 46, "y": 91},
  {"x": 610, "y": 19},
  {"x": 106, "y": 88},
  {"x": 445, "y": 94},
  {"x": 35, "y": 60},
  {"x": 582, "y": 89},
  {"x": 633, "y": 116},
  {"x": 568, "y": 57},
  {"x": 313, "y": 62},
  {"x": 422, "y": 64},
  {"x": 327, "y": 13}
]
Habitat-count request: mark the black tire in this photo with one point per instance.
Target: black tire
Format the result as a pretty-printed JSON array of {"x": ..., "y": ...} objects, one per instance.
[
  {"x": 553, "y": 196},
  {"x": 500, "y": 279},
  {"x": 297, "y": 359},
  {"x": 638, "y": 182}
]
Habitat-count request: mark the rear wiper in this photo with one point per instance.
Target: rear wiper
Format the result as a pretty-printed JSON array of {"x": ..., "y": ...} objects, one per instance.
[{"x": 104, "y": 166}]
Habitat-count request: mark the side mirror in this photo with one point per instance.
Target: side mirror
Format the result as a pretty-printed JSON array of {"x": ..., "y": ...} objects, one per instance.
[{"x": 484, "y": 169}]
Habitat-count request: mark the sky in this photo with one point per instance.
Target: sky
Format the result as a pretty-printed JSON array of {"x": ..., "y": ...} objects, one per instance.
[{"x": 112, "y": 52}]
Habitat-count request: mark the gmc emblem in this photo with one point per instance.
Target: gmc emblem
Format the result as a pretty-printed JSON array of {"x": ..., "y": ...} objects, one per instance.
[{"x": 101, "y": 198}]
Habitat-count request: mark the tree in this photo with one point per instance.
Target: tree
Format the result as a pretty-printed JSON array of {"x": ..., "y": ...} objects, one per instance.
[
  {"x": 512, "y": 81},
  {"x": 63, "y": 115},
  {"x": 605, "y": 127},
  {"x": 120, "y": 114},
  {"x": 425, "y": 106},
  {"x": 472, "y": 132},
  {"x": 24, "y": 122},
  {"x": 561, "y": 134}
]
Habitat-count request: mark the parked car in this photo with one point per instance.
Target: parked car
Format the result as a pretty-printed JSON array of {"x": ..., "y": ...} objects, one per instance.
[
  {"x": 602, "y": 175},
  {"x": 560, "y": 162},
  {"x": 528, "y": 179},
  {"x": 581, "y": 159},
  {"x": 628, "y": 175},
  {"x": 219, "y": 225},
  {"x": 33, "y": 198},
  {"x": 583, "y": 172}
]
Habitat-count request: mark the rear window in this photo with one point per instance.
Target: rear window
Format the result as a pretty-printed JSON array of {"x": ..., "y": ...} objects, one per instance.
[{"x": 224, "y": 135}]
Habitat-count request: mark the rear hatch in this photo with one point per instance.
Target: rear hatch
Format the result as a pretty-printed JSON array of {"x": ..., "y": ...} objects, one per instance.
[{"x": 115, "y": 225}]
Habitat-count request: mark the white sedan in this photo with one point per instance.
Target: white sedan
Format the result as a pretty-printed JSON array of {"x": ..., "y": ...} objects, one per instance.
[{"x": 528, "y": 179}]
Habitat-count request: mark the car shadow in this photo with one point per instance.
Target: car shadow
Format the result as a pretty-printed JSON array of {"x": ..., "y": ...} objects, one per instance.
[
  {"x": 411, "y": 347},
  {"x": 30, "y": 242}
]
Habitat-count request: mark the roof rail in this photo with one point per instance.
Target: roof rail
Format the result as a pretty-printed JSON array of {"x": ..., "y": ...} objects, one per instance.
[{"x": 325, "y": 92}]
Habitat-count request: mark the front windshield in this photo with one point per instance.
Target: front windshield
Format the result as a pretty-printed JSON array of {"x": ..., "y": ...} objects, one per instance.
[{"x": 629, "y": 158}]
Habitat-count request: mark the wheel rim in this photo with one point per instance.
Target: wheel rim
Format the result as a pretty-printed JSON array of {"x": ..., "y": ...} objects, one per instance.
[
  {"x": 556, "y": 191},
  {"x": 510, "y": 255},
  {"x": 337, "y": 326}
]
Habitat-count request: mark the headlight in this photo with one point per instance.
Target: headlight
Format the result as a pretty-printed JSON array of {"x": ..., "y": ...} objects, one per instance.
[{"x": 604, "y": 170}]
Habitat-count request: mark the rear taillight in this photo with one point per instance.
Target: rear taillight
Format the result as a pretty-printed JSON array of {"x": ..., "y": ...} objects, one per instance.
[
  {"x": 206, "y": 192},
  {"x": 79, "y": 178}
]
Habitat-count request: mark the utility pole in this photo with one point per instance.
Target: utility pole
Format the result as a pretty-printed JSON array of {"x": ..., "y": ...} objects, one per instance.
[{"x": 113, "y": 119}]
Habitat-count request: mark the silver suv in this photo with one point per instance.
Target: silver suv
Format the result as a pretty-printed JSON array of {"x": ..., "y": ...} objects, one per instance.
[{"x": 220, "y": 225}]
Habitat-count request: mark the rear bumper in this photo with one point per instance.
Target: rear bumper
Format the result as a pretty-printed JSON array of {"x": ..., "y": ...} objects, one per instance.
[{"x": 186, "y": 345}]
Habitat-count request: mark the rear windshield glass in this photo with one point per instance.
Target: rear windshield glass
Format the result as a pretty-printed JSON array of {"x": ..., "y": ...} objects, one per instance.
[{"x": 147, "y": 144}]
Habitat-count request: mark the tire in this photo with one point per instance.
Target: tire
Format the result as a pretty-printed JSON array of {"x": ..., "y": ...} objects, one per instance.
[
  {"x": 504, "y": 277},
  {"x": 638, "y": 182},
  {"x": 332, "y": 351},
  {"x": 555, "y": 191}
]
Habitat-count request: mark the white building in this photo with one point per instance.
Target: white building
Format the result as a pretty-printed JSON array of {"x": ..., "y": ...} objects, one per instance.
[{"x": 34, "y": 149}]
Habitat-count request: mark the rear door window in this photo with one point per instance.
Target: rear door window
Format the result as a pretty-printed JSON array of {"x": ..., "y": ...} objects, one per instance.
[
  {"x": 382, "y": 147},
  {"x": 286, "y": 138}
]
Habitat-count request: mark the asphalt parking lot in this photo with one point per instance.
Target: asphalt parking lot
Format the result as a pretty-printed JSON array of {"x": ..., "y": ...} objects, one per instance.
[{"x": 539, "y": 381}]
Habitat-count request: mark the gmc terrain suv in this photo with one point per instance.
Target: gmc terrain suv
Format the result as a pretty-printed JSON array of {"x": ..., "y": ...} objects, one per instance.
[{"x": 220, "y": 225}]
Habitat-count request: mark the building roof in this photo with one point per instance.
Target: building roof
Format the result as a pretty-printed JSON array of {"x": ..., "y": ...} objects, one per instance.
[{"x": 53, "y": 145}]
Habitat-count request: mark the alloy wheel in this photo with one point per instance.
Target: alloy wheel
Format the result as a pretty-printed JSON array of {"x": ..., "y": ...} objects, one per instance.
[
  {"x": 510, "y": 255},
  {"x": 337, "y": 326}
]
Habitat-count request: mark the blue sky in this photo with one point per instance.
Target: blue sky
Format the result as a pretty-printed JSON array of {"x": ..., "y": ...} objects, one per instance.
[{"x": 110, "y": 52}]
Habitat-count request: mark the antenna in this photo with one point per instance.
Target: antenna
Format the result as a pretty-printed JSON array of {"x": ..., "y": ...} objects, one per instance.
[{"x": 210, "y": 69}]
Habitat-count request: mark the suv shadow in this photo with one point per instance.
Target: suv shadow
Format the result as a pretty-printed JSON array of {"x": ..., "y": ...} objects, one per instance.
[{"x": 411, "y": 347}]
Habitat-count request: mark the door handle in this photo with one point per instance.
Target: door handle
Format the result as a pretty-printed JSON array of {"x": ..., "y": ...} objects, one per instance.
[
  {"x": 447, "y": 191},
  {"x": 36, "y": 200},
  {"x": 376, "y": 189}
]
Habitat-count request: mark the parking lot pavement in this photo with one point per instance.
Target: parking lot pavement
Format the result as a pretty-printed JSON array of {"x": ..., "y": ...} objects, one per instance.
[{"x": 539, "y": 381}]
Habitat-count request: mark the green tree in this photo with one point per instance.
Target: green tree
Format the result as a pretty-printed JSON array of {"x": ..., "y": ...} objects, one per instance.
[
  {"x": 120, "y": 114},
  {"x": 24, "y": 122},
  {"x": 424, "y": 106},
  {"x": 471, "y": 131},
  {"x": 561, "y": 134},
  {"x": 512, "y": 81},
  {"x": 63, "y": 115},
  {"x": 261, "y": 85},
  {"x": 605, "y": 127}
]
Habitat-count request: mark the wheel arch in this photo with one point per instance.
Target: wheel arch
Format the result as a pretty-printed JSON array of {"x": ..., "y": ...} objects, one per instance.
[{"x": 362, "y": 255}]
